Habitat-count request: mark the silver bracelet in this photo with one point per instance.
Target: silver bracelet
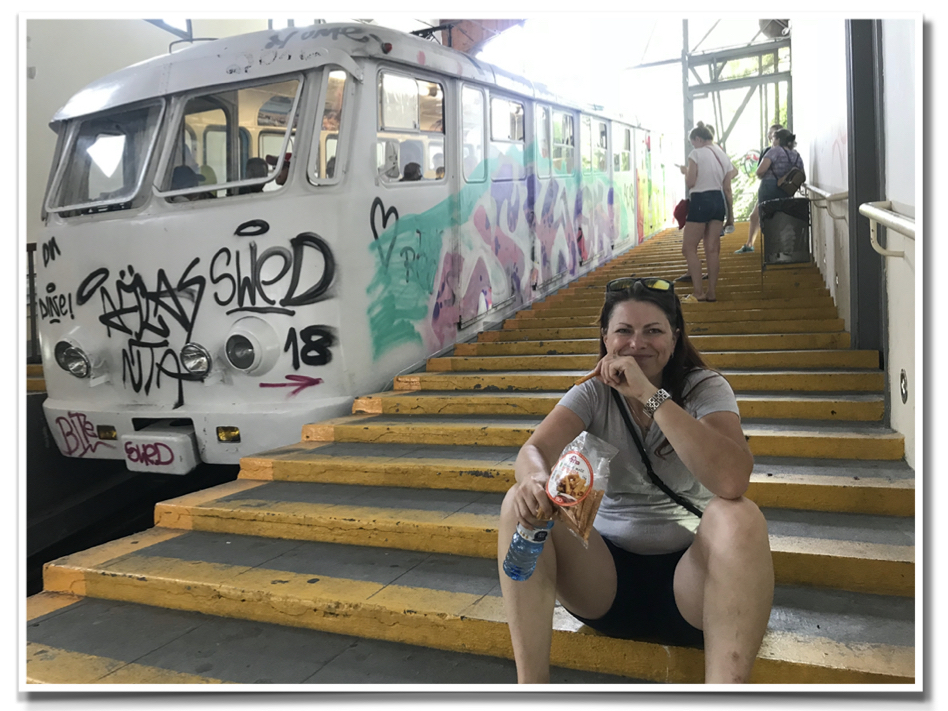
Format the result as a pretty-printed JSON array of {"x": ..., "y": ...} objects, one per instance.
[{"x": 652, "y": 404}]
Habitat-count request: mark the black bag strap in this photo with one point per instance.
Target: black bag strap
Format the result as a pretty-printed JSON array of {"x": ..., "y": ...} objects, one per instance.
[{"x": 676, "y": 497}]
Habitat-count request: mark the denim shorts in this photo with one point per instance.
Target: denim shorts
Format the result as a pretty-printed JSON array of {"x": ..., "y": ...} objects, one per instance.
[
  {"x": 706, "y": 206},
  {"x": 644, "y": 608}
]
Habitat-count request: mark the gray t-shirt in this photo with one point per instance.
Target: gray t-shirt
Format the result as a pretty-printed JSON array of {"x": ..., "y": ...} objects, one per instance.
[{"x": 635, "y": 514}]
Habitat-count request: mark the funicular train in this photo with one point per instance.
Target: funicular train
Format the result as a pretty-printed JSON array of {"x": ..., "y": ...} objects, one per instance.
[{"x": 243, "y": 235}]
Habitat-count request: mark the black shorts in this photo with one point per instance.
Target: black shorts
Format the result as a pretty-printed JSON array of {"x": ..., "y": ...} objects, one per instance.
[
  {"x": 706, "y": 206},
  {"x": 644, "y": 607}
]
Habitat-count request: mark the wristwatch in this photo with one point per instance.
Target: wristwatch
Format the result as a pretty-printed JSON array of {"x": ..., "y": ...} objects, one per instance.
[{"x": 652, "y": 404}]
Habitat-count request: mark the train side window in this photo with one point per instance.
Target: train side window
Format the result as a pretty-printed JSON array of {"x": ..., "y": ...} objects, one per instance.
[
  {"x": 472, "y": 135},
  {"x": 239, "y": 125},
  {"x": 411, "y": 128},
  {"x": 586, "y": 141},
  {"x": 329, "y": 127},
  {"x": 622, "y": 158},
  {"x": 507, "y": 143},
  {"x": 544, "y": 159},
  {"x": 564, "y": 142},
  {"x": 103, "y": 164},
  {"x": 600, "y": 147}
]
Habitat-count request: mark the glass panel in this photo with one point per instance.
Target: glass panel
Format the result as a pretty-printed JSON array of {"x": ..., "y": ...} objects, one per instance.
[
  {"x": 472, "y": 132},
  {"x": 563, "y": 142},
  {"x": 222, "y": 122},
  {"x": 543, "y": 142},
  {"x": 106, "y": 163},
  {"x": 586, "y": 137},
  {"x": 398, "y": 102},
  {"x": 600, "y": 147},
  {"x": 506, "y": 120},
  {"x": 329, "y": 127},
  {"x": 410, "y": 110}
]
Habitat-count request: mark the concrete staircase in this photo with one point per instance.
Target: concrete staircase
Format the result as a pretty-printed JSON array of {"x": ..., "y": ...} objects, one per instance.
[{"x": 367, "y": 552}]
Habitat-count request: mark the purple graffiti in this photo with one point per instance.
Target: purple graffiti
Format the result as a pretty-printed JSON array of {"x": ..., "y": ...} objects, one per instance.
[
  {"x": 79, "y": 435},
  {"x": 297, "y": 382},
  {"x": 154, "y": 454}
]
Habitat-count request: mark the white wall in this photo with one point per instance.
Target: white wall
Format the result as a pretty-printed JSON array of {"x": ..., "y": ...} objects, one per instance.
[
  {"x": 820, "y": 123},
  {"x": 62, "y": 56},
  {"x": 899, "y": 75}
]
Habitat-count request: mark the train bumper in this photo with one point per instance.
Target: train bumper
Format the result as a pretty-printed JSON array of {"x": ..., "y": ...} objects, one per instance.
[{"x": 124, "y": 434}]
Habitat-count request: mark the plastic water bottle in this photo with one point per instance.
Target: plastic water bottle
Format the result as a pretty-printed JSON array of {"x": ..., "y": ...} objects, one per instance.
[{"x": 525, "y": 548}]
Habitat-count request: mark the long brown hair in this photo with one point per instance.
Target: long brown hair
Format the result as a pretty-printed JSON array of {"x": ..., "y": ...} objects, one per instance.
[{"x": 685, "y": 358}]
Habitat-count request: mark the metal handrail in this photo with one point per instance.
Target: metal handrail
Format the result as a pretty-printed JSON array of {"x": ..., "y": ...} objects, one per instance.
[
  {"x": 880, "y": 212},
  {"x": 827, "y": 198}
]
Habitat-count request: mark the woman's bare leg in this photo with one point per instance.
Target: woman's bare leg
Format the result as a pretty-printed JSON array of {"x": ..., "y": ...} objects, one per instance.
[
  {"x": 584, "y": 579},
  {"x": 690, "y": 237},
  {"x": 754, "y": 226},
  {"x": 724, "y": 584},
  {"x": 712, "y": 254}
]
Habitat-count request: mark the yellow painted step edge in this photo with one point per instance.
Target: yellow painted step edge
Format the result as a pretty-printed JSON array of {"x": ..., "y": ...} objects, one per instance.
[
  {"x": 51, "y": 665},
  {"x": 461, "y": 621}
]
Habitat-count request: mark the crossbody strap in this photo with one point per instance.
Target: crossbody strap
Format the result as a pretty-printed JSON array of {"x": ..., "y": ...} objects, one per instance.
[
  {"x": 676, "y": 497},
  {"x": 717, "y": 159}
]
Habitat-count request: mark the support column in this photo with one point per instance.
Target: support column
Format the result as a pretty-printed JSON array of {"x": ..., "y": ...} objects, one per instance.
[{"x": 865, "y": 125}]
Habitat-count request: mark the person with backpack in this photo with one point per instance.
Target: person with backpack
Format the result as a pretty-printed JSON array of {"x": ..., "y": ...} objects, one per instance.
[{"x": 781, "y": 171}]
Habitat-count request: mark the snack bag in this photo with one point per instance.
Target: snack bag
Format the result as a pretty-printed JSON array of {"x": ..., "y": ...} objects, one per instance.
[{"x": 578, "y": 482}]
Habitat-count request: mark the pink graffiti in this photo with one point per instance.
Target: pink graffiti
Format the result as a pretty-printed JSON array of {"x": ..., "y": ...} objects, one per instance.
[
  {"x": 478, "y": 287},
  {"x": 150, "y": 453},
  {"x": 447, "y": 310},
  {"x": 547, "y": 228},
  {"x": 298, "y": 383},
  {"x": 504, "y": 248},
  {"x": 79, "y": 435}
]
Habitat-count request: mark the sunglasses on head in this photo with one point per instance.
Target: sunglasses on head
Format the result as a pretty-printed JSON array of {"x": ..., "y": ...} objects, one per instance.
[{"x": 653, "y": 283}]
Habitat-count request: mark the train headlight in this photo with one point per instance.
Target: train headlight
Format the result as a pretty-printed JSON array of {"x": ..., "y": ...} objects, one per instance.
[
  {"x": 196, "y": 359},
  {"x": 240, "y": 352},
  {"x": 73, "y": 359},
  {"x": 252, "y": 346}
]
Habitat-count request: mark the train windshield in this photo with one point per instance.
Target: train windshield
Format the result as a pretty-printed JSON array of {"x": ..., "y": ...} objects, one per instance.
[
  {"x": 233, "y": 142},
  {"x": 104, "y": 163}
]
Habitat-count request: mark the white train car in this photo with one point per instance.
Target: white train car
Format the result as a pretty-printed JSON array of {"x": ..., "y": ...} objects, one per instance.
[{"x": 242, "y": 236}]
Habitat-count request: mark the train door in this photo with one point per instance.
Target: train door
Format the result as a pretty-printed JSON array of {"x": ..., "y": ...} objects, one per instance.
[
  {"x": 594, "y": 232},
  {"x": 623, "y": 182},
  {"x": 411, "y": 213}
]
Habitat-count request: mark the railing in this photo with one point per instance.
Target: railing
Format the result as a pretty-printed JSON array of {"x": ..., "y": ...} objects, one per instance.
[
  {"x": 32, "y": 349},
  {"x": 880, "y": 212},
  {"x": 827, "y": 198}
]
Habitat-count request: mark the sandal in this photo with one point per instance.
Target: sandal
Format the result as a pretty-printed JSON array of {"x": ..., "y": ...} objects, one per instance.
[{"x": 690, "y": 299}]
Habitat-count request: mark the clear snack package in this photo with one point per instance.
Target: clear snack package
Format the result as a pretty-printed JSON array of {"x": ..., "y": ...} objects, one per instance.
[{"x": 578, "y": 483}]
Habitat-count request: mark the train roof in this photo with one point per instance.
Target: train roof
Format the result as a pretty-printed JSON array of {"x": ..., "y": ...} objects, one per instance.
[{"x": 278, "y": 52}]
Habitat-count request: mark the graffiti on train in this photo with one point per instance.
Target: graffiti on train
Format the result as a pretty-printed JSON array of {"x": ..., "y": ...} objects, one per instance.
[
  {"x": 510, "y": 236},
  {"x": 53, "y": 307},
  {"x": 50, "y": 251},
  {"x": 79, "y": 435},
  {"x": 298, "y": 383},
  {"x": 243, "y": 280},
  {"x": 158, "y": 315},
  {"x": 154, "y": 454}
]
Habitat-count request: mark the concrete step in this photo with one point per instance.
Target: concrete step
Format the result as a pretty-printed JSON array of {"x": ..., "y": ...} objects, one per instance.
[
  {"x": 721, "y": 328},
  {"x": 778, "y": 438},
  {"x": 558, "y": 318},
  {"x": 742, "y": 360},
  {"x": 561, "y": 380},
  {"x": 843, "y": 406},
  {"x": 75, "y": 640},
  {"x": 552, "y": 346},
  {"x": 852, "y": 486},
  {"x": 35, "y": 384},
  {"x": 453, "y": 602},
  {"x": 857, "y": 552}
]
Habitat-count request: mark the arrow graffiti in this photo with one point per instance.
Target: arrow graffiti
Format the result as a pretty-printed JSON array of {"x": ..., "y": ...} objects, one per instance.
[{"x": 298, "y": 383}]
